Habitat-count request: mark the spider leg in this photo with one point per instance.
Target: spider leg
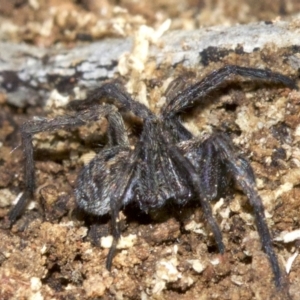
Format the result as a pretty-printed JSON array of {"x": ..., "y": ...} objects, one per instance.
[
  {"x": 214, "y": 80},
  {"x": 105, "y": 185},
  {"x": 242, "y": 173},
  {"x": 113, "y": 92},
  {"x": 30, "y": 128},
  {"x": 179, "y": 132},
  {"x": 107, "y": 182},
  {"x": 115, "y": 207},
  {"x": 123, "y": 195},
  {"x": 188, "y": 171},
  {"x": 117, "y": 135}
]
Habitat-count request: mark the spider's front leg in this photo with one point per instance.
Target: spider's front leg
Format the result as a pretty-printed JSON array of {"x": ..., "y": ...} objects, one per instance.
[
  {"x": 186, "y": 98},
  {"x": 30, "y": 128},
  {"x": 239, "y": 169}
]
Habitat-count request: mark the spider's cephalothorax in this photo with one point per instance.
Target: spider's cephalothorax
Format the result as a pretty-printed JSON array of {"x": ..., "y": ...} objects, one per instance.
[{"x": 166, "y": 164}]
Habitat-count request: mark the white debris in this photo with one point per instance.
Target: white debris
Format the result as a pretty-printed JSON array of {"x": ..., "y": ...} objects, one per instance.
[
  {"x": 197, "y": 265},
  {"x": 6, "y": 197},
  {"x": 288, "y": 237},
  {"x": 159, "y": 286},
  {"x": 293, "y": 176},
  {"x": 69, "y": 224},
  {"x": 218, "y": 206},
  {"x": 297, "y": 131},
  {"x": 127, "y": 242},
  {"x": 144, "y": 295},
  {"x": 166, "y": 271},
  {"x": 286, "y": 187},
  {"x": 124, "y": 242},
  {"x": 290, "y": 261},
  {"x": 246, "y": 119},
  {"x": 268, "y": 197},
  {"x": 31, "y": 205},
  {"x": 16, "y": 200},
  {"x": 139, "y": 54},
  {"x": 87, "y": 157},
  {"x": 135, "y": 61},
  {"x": 195, "y": 227},
  {"x": 57, "y": 100},
  {"x": 36, "y": 296},
  {"x": 237, "y": 280},
  {"x": 215, "y": 261},
  {"x": 43, "y": 249},
  {"x": 35, "y": 284},
  {"x": 106, "y": 241},
  {"x": 34, "y": 4}
]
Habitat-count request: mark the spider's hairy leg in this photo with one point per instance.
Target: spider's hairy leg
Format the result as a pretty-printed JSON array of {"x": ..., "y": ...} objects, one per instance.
[
  {"x": 113, "y": 92},
  {"x": 188, "y": 171},
  {"x": 106, "y": 183},
  {"x": 179, "y": 132},
  {"x": 115, "y": 208},
  {"x": 242, "y": 173},
  {"x": 116, "y": 130},
  {"x": 30, "y": 128},
  {"x": 214, "y": 80},
  {"x": 212, "y": 171},
  {"x": 122, "y": 196}
]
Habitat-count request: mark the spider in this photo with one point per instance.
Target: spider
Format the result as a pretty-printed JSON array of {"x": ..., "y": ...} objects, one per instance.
[{"x": 165, "y": 164}]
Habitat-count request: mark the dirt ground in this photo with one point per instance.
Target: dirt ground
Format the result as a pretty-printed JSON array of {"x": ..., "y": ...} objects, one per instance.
[{"x": 54, "y": 251}]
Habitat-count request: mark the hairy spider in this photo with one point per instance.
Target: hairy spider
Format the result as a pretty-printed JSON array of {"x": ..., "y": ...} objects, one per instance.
[{"x": 166, "y": 164}]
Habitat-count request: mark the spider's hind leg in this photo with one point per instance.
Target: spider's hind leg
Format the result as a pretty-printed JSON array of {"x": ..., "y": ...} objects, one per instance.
[
  {"x": 241, "y": 171},
  {"x": 189, "y": 171}
]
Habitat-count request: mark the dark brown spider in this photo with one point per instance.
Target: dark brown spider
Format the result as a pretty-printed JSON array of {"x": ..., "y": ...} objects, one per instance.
[{"x": 166, "y": 164}]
